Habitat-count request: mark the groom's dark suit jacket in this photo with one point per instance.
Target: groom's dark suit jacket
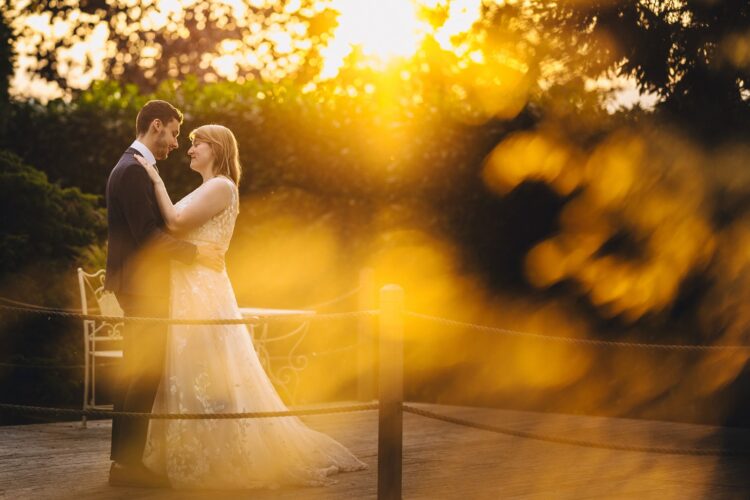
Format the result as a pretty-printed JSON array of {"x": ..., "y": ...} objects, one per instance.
[
  {"x": 138, "y": 272},
  {"x": 139, "y": 250}
]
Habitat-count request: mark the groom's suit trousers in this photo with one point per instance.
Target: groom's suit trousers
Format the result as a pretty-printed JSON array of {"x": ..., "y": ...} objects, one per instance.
[{"x": 144, "y": 347}]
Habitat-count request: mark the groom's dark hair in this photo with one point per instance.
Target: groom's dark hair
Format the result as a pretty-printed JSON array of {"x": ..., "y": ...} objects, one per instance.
[{"x": 154, "y": 110}]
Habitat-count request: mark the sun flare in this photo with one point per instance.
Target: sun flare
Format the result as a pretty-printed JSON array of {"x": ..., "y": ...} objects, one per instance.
[
  {"x": 390, "y": 29},
  {"x": 382, "y": 30}
]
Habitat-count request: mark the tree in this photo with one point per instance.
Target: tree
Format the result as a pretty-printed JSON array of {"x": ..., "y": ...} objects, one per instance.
[
  {"x": 150, "y": 42},
  {"x": 45, "y": 231},
  {"x": 692, "y": 53},
  {"x": 7, "y": 58},
  {"x": 42, "y": 221}
]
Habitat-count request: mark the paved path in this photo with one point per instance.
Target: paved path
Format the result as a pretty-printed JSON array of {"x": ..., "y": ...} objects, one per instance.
[{"x": 441, "y": 460}]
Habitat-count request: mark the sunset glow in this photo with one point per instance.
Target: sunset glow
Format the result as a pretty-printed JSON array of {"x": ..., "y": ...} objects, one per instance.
[
  {"x": 275, "y": 46},
  {"x": 533, "y": 215},
  {"x": 393, "y": 28},
  {"x": 386, "y": 29}
]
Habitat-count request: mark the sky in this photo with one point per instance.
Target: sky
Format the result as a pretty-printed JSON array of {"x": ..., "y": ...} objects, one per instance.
[{"x": 383, "y": 31}]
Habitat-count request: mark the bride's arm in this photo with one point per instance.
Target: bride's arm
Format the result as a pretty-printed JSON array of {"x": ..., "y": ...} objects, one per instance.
[{"x": 210, "y": 199}]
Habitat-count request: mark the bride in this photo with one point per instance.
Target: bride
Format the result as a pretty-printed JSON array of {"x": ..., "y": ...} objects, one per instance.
[{"x": 215, "y": 369}]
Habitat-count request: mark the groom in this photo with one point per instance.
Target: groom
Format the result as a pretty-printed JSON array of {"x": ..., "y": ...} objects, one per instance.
[{"x": 138, "y": 261}]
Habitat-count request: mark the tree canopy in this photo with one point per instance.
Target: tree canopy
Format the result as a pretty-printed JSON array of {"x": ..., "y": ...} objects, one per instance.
[
  {"x": 694, "y": 53},
  {"x": 42, "y": 220}
]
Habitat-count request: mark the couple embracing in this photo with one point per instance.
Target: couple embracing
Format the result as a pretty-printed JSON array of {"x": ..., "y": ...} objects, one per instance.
[{"x": 166, "y": 260}]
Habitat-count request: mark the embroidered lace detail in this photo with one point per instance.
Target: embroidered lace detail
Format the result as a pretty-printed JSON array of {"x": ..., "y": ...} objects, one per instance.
[{"x": 219, "y": 228}]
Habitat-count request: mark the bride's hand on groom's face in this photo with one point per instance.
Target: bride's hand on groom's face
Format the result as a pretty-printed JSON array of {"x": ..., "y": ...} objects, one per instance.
[
  {"x": 211, "y": 256},
  {"x": 150, "y": 169}
]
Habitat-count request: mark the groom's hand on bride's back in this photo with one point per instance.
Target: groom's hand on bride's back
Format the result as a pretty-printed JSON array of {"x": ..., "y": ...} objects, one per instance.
[{"x": 211, "y": 256}]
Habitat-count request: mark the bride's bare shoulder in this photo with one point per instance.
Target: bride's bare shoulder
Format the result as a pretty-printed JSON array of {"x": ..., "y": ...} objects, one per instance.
[
  {"x": 217, "y": 188},
  {"x": 228, "y": 181}
]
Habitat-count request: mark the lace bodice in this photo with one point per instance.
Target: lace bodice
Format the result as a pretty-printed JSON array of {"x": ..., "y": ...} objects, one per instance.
[{"x": 219, "y": 228}]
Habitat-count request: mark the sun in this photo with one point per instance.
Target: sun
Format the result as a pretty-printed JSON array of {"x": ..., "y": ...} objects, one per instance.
[{"x": 382, "y": 30}]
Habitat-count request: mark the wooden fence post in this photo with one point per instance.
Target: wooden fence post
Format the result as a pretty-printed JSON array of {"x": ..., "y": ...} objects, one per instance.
[
  {"x": 366, "y": 301},
  {"x": 391, "y": 390}
]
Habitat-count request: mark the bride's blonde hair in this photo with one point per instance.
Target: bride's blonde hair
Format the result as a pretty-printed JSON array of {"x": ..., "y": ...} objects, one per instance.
[{"x": 224, "y": 147}]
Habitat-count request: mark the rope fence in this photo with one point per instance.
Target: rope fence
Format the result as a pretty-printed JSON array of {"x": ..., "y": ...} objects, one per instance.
[
  {"x": 575, "y": 442},
  {"x": 328, "y": 410},
  {"x": 72, "y": 412},
  {"x": 256, "y": 319},
  {"x": 390, "y": 403},
  {"x": 37, "y": 307},
  {"x": 51, "y": 367},
  {"x": 572, "y": 340}
]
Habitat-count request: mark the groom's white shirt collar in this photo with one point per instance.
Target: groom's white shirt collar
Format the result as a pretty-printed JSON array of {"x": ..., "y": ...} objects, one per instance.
[{"x": 145, "y": 152}]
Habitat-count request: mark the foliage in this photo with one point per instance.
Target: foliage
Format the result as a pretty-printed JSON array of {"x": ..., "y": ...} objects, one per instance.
[
  {"x": 75, "y": 145},
  {"x": 45, "y": 232},
  {"x": 692, "y": 53},
  {"x": 42, "y": 220},
  {"x": 272, "y": 41},
  {"x": 7, "y": 59},
  {"x": 151, "y": 43}
]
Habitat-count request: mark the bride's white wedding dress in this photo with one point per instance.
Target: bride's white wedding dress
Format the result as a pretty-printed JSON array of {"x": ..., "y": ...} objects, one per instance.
[{"x": 215, "y": 369}]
